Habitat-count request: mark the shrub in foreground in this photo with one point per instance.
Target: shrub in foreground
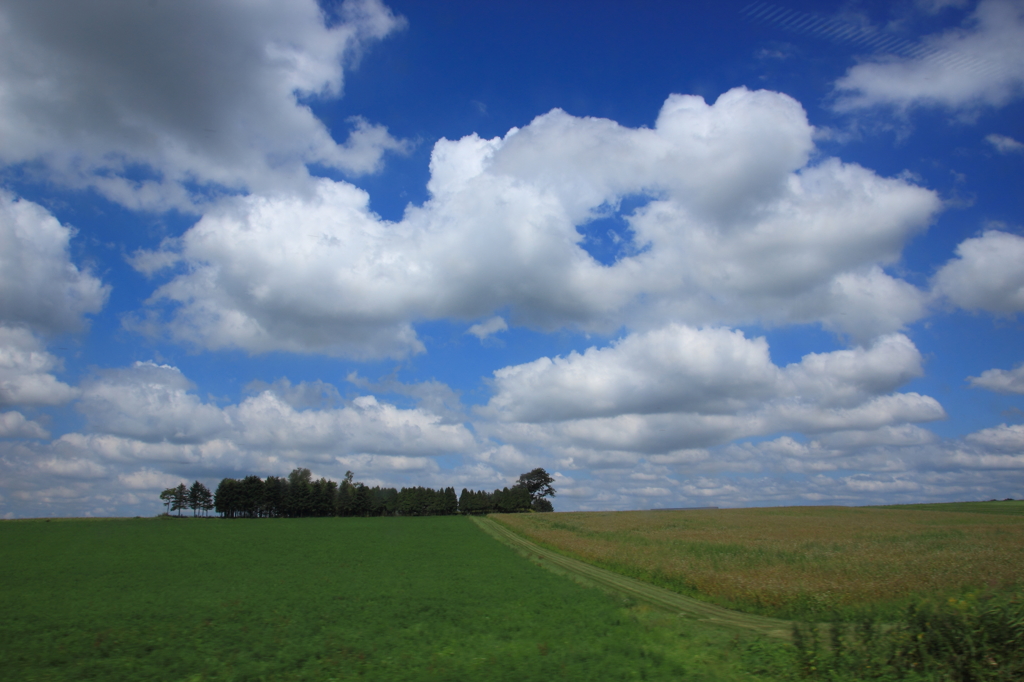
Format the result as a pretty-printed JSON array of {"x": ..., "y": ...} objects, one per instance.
[{"x": 973, "y": 639}]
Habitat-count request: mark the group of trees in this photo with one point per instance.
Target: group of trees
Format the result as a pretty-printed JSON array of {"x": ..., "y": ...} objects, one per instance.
[
  {"x": 198, "y": 498},
  {"x": 529, "y": 493},
  {"x": 299, "y": 495}
]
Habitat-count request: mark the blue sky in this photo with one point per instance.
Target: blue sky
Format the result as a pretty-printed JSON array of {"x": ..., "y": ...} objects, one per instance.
[{"x": 678, "y": 254}]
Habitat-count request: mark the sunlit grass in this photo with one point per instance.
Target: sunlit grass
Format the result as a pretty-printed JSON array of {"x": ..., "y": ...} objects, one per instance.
[
  {"x": 796, "y": 562},
  {"x": 429, "y": 598}
]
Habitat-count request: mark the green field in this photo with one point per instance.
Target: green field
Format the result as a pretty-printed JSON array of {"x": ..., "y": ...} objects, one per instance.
[
  {"x": 457, "y": 598},
  {"x": 321, "y": 599}
]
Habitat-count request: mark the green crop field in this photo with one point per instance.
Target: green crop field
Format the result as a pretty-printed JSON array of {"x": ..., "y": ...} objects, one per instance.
[
  {"x": 812, "y": 563},
  {"x": 321, "y": 599},
  {"x": 443, "y": 598}
]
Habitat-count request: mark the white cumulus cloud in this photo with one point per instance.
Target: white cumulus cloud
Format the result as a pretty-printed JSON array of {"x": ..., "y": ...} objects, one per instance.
[
  {"x": 15, "y": 425},
  {"x": 26, "y": 371},
  {"x": 1001, "y": 438},
  {"x": 41, "y": 287},
  {"x": 706, "y": 371},
  {"x": 679, "y": 388},
  {"x": 147, "y": 413},
  {"x": 986, "y": 274},
  {"x": 1001, "y": 380},
  {"x": 739, "y": 228},
  {"x": 149, "y": 402},
  {"x": 189, "y": 91}
]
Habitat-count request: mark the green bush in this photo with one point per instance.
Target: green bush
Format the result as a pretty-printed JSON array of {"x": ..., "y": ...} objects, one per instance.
[{"x": 971, "y": 639}]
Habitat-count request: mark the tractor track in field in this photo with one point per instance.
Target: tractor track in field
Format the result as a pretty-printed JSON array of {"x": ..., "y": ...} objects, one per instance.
[{"x": 655, "y": 596}]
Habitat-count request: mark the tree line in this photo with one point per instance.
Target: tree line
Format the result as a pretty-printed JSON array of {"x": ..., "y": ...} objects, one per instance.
[
  {"x": 198, "y": 498},
  {"x": 298, "y": 495}
]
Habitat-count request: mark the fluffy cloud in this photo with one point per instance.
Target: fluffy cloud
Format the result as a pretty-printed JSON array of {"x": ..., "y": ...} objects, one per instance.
[
  {"x": 1002, "y": 438},
  {"x": 705, "y": 371},
  {"x": 41, "y": 287},
  {"x": 669, "y": 370},
  {"x": 299, "y": 396},
  {"x": 15, "y": 425},
  {"x": 618, "y": 440},
  {"x": 488, "y": 327},
  {"x": 140, "y": 100},
  {"x": 986, "y": 274},
  {"x": 25, "y": 371},
  {"x": 979, "y": 64},
  {"x": 147, "y": 413},
  {"x": 366, "y": 426},
  {"x": 1001, "y": 380},
  {"x": 679, "y": 388},
  {"x": 151, "y": 403},
  {"x": 739, "y": 228},
  {"x": 150, "y": 410}
]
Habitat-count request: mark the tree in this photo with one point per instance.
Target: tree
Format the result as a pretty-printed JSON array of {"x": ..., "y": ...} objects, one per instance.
[
  {"x": 180, "y": 499},
  {"x": 542, "y": 505},
  {"x": 451, "y": 503},
  {"x": 538, "y": 484},
  {"x": 206, "y": 504},
  {"x": 167, "y": 496},
  {"x": 275, "y": 495},
  {"x": 198, "y": 495},
  {"x": 227, "y": 498},
  {"x": 300, "y": 493},
  {"x": 253, "y": 496},
  {"x": 362, "y": 500}
]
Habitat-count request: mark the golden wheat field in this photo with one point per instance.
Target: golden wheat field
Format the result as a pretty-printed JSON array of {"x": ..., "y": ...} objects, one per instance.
[{"x": 795, "y": 561}]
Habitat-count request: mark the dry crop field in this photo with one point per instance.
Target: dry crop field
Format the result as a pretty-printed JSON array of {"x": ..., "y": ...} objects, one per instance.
[{"x": 797, "y": 562}]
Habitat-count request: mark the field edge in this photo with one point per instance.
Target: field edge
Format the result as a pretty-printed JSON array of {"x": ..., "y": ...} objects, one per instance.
[{"x": 609, "y": 581}]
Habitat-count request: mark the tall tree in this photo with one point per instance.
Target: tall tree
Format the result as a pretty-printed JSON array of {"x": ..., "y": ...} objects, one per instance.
[
  {"x": 197, "y": 495},
  {"x": 300, "y": 492},
  {"x": 206, "y": 502},
  {"x": 180, "y": 500},
  {"x": 227, "y": 499},
  {"x": 275, "y": 496},
  {"x": 451, "y": 503},
  {"x": 538, "y": 484},
  {"x": 253, "y": 496}
]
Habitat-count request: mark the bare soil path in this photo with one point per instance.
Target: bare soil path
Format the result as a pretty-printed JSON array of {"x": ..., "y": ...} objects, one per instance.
[{"x": 657, "y": 597}]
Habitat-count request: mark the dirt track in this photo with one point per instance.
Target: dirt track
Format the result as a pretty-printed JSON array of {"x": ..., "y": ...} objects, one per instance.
[{"x": 650, "y": 594}]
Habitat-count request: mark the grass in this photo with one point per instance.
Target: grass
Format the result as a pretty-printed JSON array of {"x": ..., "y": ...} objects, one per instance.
[
  {"x": 652, "y": 595},
  {"x": 809, "y": 563},
  {"x": 321, "y": 599}
]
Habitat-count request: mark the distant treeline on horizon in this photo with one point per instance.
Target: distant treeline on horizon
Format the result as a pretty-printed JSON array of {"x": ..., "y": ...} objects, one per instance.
[{"x": 298, "y": 495}]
